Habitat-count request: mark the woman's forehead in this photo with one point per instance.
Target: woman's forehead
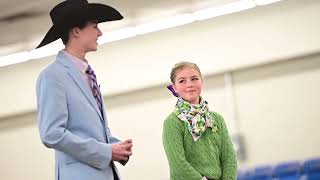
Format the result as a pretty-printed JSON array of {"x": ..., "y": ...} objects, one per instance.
[{"x": 190, "y": 71}]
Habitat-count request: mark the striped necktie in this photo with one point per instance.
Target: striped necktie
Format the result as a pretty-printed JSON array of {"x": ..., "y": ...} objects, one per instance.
[
  {"x": 94, "y": 87},
  {"x": 97, "y": 95}
]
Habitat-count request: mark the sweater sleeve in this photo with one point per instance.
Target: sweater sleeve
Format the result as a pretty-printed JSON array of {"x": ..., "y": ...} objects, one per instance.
[
  {"x": 228, "y": 157},
  {"x": 172, "y": 138}
]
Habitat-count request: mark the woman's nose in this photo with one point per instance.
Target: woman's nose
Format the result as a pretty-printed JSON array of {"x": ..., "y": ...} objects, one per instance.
[{"x": 189, "y": 84}]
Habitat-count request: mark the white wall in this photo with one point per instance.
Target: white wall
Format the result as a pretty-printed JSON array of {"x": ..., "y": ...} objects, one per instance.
[
  {"x": 22, "y": 154},
  {"x": 267, "y": 33},
  {"x": 277, "y": 110}
]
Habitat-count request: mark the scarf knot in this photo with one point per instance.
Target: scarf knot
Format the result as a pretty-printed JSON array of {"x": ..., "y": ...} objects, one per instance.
[{"x": 196, "y": 117}]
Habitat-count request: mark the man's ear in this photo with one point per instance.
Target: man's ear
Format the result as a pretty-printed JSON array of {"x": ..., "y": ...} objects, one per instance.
[{"x": 74, "y": 32}]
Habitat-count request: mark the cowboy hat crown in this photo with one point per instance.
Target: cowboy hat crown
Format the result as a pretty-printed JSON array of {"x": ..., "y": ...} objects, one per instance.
[{"x": 71, "y": 13}]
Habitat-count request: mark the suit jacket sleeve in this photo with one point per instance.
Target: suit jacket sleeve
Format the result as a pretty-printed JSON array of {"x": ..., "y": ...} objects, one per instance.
[
  {"x": 113, "y": 140},
  {"x": 53, "y": 120}
]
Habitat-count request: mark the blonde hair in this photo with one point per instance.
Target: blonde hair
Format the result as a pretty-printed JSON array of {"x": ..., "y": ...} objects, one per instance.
[{"x": 182, "y": 65}]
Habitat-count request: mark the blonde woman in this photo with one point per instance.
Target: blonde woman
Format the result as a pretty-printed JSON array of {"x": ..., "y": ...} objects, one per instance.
[{"x": 196, "y": 140}]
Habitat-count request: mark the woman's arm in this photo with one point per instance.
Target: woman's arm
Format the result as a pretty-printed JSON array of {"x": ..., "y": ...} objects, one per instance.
[
  {"x": 173, "y": 144},
  {"x": 228, "y": 157}
]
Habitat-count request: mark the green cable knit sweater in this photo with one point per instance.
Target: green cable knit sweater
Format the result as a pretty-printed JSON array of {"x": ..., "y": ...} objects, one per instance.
[{"x": 211, "y": 156}]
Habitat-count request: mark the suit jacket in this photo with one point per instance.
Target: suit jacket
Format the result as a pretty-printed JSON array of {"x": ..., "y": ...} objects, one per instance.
[{"x": 71, "y": 123}]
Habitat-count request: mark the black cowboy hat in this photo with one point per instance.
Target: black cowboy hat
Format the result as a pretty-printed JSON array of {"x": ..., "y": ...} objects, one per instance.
[{"x": 71, "y": 13}]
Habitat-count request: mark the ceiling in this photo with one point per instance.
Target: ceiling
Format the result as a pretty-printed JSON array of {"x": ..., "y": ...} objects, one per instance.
[{"x": 24, "y": 23}]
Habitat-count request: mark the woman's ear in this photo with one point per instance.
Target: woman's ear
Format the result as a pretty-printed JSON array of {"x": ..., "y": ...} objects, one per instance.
[{"x": 171, "y": 88}]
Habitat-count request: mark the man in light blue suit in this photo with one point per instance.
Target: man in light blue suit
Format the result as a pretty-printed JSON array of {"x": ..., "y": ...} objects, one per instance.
[{"x": 71, "y": 115}]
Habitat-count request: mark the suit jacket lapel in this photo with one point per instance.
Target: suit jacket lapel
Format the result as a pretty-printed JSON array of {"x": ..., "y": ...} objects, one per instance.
[{"x": 76, "y": 76}]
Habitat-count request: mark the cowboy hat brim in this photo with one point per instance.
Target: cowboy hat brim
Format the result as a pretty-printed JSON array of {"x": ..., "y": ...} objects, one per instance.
[{"x": 92, "y": 11}]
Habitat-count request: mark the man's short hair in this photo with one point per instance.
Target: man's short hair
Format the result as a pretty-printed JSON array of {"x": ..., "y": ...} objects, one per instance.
[{"x": 65, "y": 35}]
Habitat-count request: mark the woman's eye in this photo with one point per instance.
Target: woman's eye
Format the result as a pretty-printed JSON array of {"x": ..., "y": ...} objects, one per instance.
[
  {"x": 181, "y": 81},
  {"x": 195, "y": 79}
]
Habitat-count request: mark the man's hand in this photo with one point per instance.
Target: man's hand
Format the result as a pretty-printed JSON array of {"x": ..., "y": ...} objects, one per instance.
[{"x": 121, "y": 151}]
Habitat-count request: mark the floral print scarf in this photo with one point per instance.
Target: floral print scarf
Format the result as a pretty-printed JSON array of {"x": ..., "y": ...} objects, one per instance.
[{"x": 196, "y": 117}]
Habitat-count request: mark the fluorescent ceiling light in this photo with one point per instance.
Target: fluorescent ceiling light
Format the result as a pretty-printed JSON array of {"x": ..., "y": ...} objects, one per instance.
[
  {"x": 117, "y": 35},
  {"x": 224, "y": 9},
  {"x": 128, "y": 32},
  {"x": 20, "y": 57},
  {"x": 265, "y": 2},
  {"x": 164, "y": 24},
  {"x": 50, "y": 49},
  {"x": 14, "y": 58}
]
